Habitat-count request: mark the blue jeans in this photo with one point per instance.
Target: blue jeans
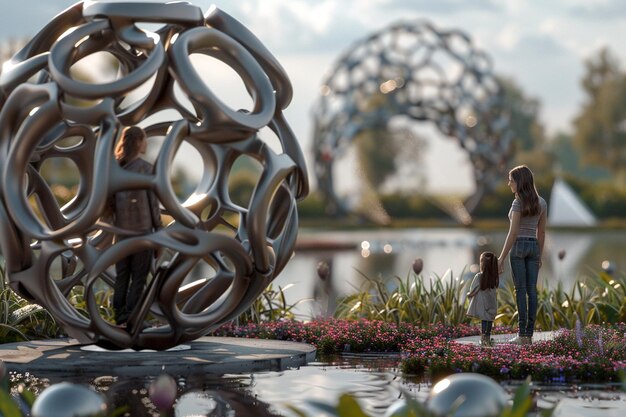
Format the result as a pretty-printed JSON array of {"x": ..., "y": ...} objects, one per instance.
[
  {"x": 525, "y": 259},
  {"x": 485, "y": 327}
]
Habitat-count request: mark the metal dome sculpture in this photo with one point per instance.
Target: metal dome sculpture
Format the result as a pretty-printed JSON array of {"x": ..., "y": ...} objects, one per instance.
[
  {"x": 46, "y": 113},
  {"x": 421, "y": 73}
]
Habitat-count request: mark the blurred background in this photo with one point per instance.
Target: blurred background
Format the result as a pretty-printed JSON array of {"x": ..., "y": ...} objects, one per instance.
[{"x": 560, "y": 66}]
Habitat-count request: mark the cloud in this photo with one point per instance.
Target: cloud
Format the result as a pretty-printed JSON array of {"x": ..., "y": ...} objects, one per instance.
[
  {"x": 538, "y": 59},
  {"x": 547, "y": 70},
  {"x": 442, "y": 6},
  {"x": 13, "y": 25},
  {"x": 610, "y": 9},
  {"x": 26, "y": 17},
  {"x": 309, "y": 26},
  {"x": 540, "y": 46},
  {"x": 302, "y": 26}
]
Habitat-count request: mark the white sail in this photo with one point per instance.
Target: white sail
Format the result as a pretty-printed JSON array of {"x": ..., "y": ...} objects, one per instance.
[{"x": 566, "y": 209}]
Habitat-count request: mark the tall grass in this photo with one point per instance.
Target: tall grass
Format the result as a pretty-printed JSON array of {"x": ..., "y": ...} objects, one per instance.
[
  {"x": 104, "y": 300},
  {"x": 557, "y": 308},
  {"x": 613, "y": 294},
  {"x": 21, "y": 320},
  {"x": 412, "y": 300},
  {"x": 596, "y": 299},
  {"x": 271, "y": 305}
]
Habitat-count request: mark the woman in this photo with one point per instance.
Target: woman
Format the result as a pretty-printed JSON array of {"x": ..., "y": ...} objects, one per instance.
[
  {"x": 527, "y": 231},
  {"x": 137, "y": 211}
]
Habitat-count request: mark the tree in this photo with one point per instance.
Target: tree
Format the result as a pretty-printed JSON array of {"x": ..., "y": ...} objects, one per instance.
[
  {"x": 600, "y": 134},
  {"x": 567, "y": 160},
  {"x": 376, "y": 155},
  {"x": 388, "y": 158},
  {"x": 602, "y": 68}
]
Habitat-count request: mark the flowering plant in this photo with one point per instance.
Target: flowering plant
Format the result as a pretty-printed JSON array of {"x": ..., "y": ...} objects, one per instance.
[
  {"x": 336, "y": 335},
  {"x": 595, "y": 353}
]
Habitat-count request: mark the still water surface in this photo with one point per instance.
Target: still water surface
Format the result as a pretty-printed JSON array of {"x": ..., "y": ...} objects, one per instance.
[
  {"x": 375, "y": 381},
  {"x": 390, "y": 253}
]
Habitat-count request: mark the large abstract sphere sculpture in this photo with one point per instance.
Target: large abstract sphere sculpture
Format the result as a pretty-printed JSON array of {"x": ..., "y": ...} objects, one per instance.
[
  {"x": 414, "y": 71},
  {"x": 56, "y": 254}
]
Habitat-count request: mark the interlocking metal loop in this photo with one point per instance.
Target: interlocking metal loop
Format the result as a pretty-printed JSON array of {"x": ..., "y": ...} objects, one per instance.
[
  {"x": 424, "y": 74},
  {"x": 55, "y": 252}
]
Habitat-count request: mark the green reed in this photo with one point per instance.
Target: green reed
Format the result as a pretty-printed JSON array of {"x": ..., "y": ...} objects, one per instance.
[
  {"x": 442, "y": 300},
  {"x": 595, "y": 299},
  {"x": 271, "y": 305},
  {"x": 20, "y": 319}
]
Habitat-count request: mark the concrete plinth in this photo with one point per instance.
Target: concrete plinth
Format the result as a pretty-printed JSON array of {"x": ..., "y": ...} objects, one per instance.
[{"x": 214, "y": 355}]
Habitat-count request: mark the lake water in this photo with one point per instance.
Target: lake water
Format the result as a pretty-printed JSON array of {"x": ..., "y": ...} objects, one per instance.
[
  {"x": 387, "y": 253},
  {"x": 375, "y": 381}
]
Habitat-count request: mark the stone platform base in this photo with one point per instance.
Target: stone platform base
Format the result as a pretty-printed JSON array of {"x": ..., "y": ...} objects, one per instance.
[{"x": 214, "y": 355}]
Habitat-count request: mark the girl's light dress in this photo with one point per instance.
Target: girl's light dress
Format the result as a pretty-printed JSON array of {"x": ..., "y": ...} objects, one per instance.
[{"x": 484, "y": 305}]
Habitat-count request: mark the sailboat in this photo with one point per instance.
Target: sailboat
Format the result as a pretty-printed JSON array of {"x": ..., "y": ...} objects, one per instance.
[{"x": 567, "y": 209}]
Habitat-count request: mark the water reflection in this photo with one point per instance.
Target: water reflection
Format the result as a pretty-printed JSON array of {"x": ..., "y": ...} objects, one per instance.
[
  {"x": 390, "y": 253},
  {"x": 375, "y": 381},
  {"x": 198, "y": 396},
  {"x": 591, "y": 400}
]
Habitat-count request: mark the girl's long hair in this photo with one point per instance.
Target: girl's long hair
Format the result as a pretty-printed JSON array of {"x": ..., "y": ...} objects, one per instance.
[
  {"x": 489, "y": 269},
  {"x": 129, "y": 145},
  {"x": 526, "y": 190}
]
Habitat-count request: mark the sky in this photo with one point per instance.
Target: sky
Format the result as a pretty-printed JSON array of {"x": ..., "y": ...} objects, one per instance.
[{"x": 540, "y": 44}]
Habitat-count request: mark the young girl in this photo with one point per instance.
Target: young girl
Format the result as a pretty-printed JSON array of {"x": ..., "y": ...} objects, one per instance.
[{"x": 483, "y": 302}]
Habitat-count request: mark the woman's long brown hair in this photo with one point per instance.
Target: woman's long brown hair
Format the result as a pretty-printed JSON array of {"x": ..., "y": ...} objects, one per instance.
[
  {"x": 526, "y": 190},
  {"x": 129, "y": 145},
  {"x": 489, "y": 270}
]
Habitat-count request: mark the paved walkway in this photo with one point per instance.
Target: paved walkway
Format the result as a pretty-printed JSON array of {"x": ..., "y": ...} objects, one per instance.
[
  {"x": 216, "y": 355},
  {"x": 501, "y": 339}
]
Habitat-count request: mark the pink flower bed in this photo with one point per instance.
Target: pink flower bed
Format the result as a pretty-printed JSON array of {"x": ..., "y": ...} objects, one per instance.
[
  {"x": 334, "y": 336},
  {"x": 596, "y": 353}
]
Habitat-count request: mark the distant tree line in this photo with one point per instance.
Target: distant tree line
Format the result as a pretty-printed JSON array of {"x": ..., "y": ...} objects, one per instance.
[
  {"x": 604, "y": 198},
  {"x": 591, "y": 157}
]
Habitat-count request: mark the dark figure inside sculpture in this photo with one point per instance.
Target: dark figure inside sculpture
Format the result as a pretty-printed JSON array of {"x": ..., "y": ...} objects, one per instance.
[{"x": 135, "y": 210}]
